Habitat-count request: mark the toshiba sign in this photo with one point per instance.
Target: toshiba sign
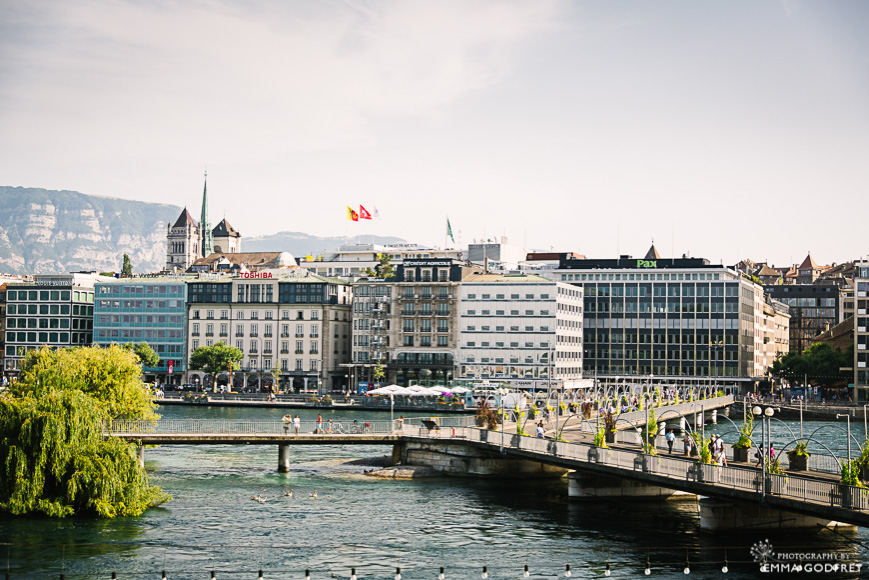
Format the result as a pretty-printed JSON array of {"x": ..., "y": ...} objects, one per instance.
[{"x": 259, "y": 275}]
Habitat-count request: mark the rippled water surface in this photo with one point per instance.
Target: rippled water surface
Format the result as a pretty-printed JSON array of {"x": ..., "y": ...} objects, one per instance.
[{"x": 375, "y": 525}]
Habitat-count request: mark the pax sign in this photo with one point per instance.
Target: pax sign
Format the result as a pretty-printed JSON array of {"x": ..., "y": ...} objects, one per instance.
[{"x": 647, "y": 264}]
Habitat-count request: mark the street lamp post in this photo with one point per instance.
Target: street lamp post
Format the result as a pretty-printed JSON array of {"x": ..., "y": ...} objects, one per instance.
[{"x": 501, "y": 393}]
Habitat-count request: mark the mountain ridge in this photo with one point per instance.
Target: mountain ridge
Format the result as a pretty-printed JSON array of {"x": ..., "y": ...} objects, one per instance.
[{"x": 45, "y": 231}]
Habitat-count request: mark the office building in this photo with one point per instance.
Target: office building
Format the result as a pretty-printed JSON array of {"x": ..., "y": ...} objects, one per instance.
[
  {"x": 522, "y": 329},
  {"x": 667, "y": 319},
  {"x": 56, "y": 310},
  {"x": 149, "y": 309},
  {"x": 814, "y": 309}
]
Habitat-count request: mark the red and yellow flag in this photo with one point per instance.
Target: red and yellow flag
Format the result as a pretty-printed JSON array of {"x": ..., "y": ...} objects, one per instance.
[{"x": 352, "y": 215}]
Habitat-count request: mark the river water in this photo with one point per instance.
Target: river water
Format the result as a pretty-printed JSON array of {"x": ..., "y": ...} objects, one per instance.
[{"x": 374, "y": 525}]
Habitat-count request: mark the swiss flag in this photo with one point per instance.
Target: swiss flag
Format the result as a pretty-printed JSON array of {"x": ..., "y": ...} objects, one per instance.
[{"x": 363, "y": 213}]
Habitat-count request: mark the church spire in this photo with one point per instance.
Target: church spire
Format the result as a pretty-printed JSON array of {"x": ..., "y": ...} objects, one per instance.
[{"x": 207, "y": 235}]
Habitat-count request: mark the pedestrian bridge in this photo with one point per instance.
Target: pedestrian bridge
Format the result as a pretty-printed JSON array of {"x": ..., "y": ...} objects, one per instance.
[{"x": 733, "y": 497}]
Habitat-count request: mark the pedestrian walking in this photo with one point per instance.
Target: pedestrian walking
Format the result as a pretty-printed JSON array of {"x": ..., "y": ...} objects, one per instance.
[
  {"x": 400, "y": 423},
  {"x": 329, "y": 426},
  {"x": 319, "y": 423},
  {"x": 297, "y": 423},
  {"x": 671, "y": 439},
  {"x": 541, "y": 433},
  {"x": 287, "y": 419}
]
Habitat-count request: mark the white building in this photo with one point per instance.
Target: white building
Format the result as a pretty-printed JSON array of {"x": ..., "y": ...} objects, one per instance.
[
  {"x": 354, "y": 260},
  {"x": 522, "y": 328}
]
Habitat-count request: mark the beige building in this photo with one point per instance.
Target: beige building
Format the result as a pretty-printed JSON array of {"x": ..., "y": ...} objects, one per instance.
[
  {"x": 409, "y": 323},
  {"x": 294, "y": 322}
]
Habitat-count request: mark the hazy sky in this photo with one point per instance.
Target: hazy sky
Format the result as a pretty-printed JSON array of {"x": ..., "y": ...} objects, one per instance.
[{"x": 725, "y": 129}]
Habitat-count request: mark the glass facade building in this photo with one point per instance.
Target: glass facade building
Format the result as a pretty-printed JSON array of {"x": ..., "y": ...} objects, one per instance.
[
  {"x": 148, "y": 310},
  {"x": 676, "y": 318},
  {"x": 814, "y": 308}
]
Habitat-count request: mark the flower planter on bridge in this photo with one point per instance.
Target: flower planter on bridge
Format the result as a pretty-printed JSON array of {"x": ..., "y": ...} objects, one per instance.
[
  {"x": 798, "y": 463},
  {"x": 610, "y": 436},
  {"x": 740, "y": 454}
]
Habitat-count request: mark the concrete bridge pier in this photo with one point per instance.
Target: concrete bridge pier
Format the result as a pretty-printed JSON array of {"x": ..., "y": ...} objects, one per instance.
[
  {"x": 677, "y": 425},
  {"x": 581, "y": 485},
  {"x": 140, "y": 450},
  {"x": 718, "y": 514},
  {"x": 283, "y": 458},
  {"x": 712, "y": 417}
]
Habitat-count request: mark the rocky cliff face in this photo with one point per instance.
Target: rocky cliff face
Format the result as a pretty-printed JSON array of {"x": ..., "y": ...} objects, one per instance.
[{"x": 44, "y": 232}]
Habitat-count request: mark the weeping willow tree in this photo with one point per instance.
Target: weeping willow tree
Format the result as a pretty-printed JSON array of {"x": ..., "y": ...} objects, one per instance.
[
  {"x": 112, "y": 377},
  {"x": 54, "y": 458}
]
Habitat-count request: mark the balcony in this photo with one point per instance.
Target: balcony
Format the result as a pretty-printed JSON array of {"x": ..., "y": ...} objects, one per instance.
[
  {"x": 209, "y": 334},
  {"x": 268, "y": 335},
  {"x": 267, "y": 352},
  {"x": 313, "y": 352},
  {"x": 194, "y": 334},
  {"x": 253, "y": 334},
  {"x": 300, "y": 351},
  {"x": 285, "y": 335},
  {"x": 224, "y": 334},
  {"x": 239, "y": 335},
  {"x": 300, "y": 335},
  {"x": 285, "y": 351}
]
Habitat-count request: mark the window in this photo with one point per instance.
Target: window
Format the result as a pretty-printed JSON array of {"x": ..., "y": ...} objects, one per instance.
[
  {"x": 195, "y": 328},
  {"x": 315, "y": 330},
  {"x": 486, "y": 296},
  {"x": 300, "y": 330},
  {"x": 299, "y": 365},
  {"x": 253, "y": 329},
  {"x": 253, "y": 346},
  {"x": 239, "y": 315},
  {"x": 300, "y": 346},
  {"x": 442, "y": 341},
  {"x": 209, "y": 314},
  {"x": 314, "y": 347},
  {"x": 224, "y": 314},
  {"x": 425, "y": 341},
  {"x": 195, "y": 344},
  {"x": 443, "y": 325},
  {"x": 315, "y": 315},
  {"x": 267, "y": 364},
  {"x": 239, "y": 344},
  {"x": 284, "y": 364},
  {"x": 314, "y": 365},
  {"x": 408, "y": 341}
]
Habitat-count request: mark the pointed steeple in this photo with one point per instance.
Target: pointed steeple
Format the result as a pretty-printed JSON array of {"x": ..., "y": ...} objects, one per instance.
[
  {"x": 652, "y": 254},
  {"x": 207, "y": 235}
]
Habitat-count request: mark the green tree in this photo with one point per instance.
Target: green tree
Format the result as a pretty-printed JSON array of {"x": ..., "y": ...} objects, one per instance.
[
  {"x": 216, "y": 358},
  {"x": 55, "y": 460},
  {"x": 111, "y": 376},
  {"x": 819, "y": 362},
  {"x": 147, "y": 356},
  {"x": 379, "y": 372},
  {"x": 127, "y": 267},
  {"x": 383, "y": 269},
  {"x": 54, "y": 457}
]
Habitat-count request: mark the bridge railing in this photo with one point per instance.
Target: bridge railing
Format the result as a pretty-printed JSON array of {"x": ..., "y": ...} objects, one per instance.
[
  {"x": 258, "y": 427},
  {"x": 676, "y": 467}
]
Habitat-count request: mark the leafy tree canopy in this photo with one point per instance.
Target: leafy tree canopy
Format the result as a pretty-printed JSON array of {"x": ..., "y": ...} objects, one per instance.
[
  {"x": 146, "y": 355},
  {"x": 55, "y": 460},
  {"x": 215, "y": 358},
  {"x": 111, "y": 376},
  {"x": 383, "y": 269},
  {"x": 819, "y": 362}
]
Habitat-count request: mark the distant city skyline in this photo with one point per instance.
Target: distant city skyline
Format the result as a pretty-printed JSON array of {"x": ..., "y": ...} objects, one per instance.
[{"x": 727, "y": 131}]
